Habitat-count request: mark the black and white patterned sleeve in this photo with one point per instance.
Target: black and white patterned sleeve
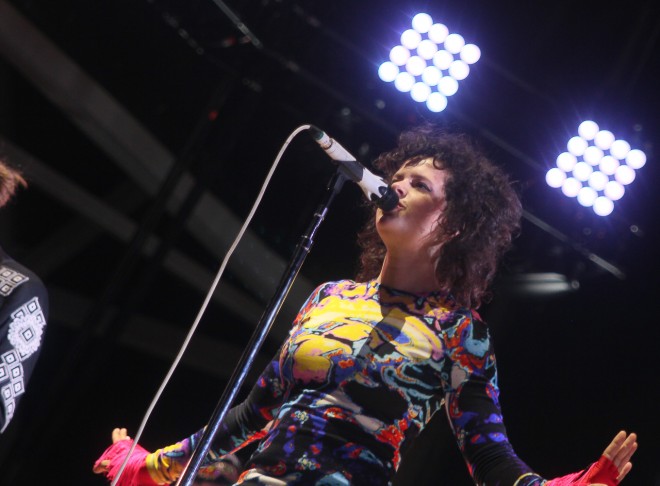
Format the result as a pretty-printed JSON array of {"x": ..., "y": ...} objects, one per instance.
[{"x": 23, "y": 315}]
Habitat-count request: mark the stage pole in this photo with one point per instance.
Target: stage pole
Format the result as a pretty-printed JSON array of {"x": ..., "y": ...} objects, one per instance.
[{"x": 259, "y": 335}]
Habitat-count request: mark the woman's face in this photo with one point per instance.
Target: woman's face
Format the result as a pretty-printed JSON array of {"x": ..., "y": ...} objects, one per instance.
[{"x": 411, "y": 225}]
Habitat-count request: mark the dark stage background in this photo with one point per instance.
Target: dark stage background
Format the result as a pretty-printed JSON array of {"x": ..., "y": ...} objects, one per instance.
[{"x": 146, "y": 127}]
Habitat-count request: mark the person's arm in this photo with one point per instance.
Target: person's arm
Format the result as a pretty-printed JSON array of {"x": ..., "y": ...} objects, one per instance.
[
  {"x": 476, "y": 419},
  {"x": 23, "y": 315},
  {"x": 471, "y": 400},
  {"x": 244, "y": 424}
]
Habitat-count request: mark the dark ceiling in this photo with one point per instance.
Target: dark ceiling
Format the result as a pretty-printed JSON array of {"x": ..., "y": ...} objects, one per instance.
[{"x": 146, "y": 128}]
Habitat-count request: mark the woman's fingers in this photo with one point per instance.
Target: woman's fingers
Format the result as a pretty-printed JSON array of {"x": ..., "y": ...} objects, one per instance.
[
  {"x": 613, "y": 448},
  {"x": 626, "y": 451},
  {"x": 624, "y": 471},
  {"x": 119, "y": 434},
  {"x": 102, "y": 467},
  {"x": 620, "y": 450}
]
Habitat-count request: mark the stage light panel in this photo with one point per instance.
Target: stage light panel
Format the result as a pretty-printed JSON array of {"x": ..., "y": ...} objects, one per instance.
[
  {"x": 447, "y": 86},
  {"x": 566, "y": 161},
  {"x": 620, "y": 149},
  {"x": 430, "y": 55},
  {"x": 555, "y": 177},
  {"x": 588, "y": 129},
  {"x": 431, "y": 75},
  {"x": 416, "y": 66},
  {"x": 420, "y": 92},
  {"x": 438, "y": 33},
  {"x": 596, "y": 168},
  {"x": 470, "y": 53},
  {"x": 604, "y": 139},
  {"x": 571, "y": 187},
  {"x": 388, "y": 71},
  {"x": 603, "y": 206},
  {"x": 636, "y": 159},
  {"x": 399, "y": 55},
  {"x": 436, "y": 102},
  {"x": 427, "y": 49},
  {"x": 422, "y": 22},
  {"x": 404, "y": 81},
  {"x": 410, "y": 39}
]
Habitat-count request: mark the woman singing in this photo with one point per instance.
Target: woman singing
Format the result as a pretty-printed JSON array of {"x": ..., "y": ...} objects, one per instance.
[{"x": 368, "y": 362}]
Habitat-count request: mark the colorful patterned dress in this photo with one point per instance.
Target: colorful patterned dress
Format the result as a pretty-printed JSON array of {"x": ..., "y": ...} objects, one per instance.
[{"x": 362, "y": 372}]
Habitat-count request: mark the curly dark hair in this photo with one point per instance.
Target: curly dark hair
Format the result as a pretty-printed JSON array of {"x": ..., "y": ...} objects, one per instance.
[{"x": 480, "y": 220}]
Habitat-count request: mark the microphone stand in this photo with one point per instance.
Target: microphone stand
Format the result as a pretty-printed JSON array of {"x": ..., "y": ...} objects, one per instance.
[{"x": 263, "y": 327}]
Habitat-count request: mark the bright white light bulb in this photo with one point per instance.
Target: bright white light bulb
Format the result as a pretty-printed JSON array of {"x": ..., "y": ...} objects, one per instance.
[
  {"x": 620, "y": 149},
  {"x": 614, "y": 191},
  {"x": 422, "y": 22},
  {"x": 415, "y": 65},
  {"x": 603, "y": 206},
  {"x": 459, "y": 70},
  {"x": 420, "y": 92},
  {"x": 598, "y": 181},
  {"x": 388, "y": 71},
  {"x": 411, "y": 39},
  {"x": 438, "y": 33},
  {"x": 555, "y": 177},
  {"x": 588, "y": 129},
  {"x": 577, "y": 146},
  {"x": 636, "y": 159},
  {"x": 399, "y": 55},
  {"x": 447, "y": 86},
  {"x": 454, "y": 43},
  {"x": 566, "y": 161},
  {"x": 608, "y": 165},
  {"x": 603, "y": 139},
  {"x": 582, "y": 171},
  {"x": 592, "y": 155},
  {"x": 442, "y": 59},
  {"x": 624, "y": 174},
  {"x": 427, "y": 49},
  {"x": 571, "y": 187},
  {"x": 587, "y": 196},
  {"x": 436, "y": 102},
  {"x": 431, "y": 75},
  {"x": 470, "y": 53},
  {"x": 404, "y": 82}
]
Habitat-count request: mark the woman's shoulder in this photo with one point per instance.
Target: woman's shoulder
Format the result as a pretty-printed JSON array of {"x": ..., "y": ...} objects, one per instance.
[{"x": 17, "y": 278}]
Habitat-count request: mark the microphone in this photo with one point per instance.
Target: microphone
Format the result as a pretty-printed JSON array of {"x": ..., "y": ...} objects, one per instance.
[{"x": 374, "y": 187}]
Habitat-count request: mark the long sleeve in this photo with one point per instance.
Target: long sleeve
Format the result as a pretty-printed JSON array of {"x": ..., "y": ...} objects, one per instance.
[
  {"x": 23, "y": 315},
  {"x": 243, "y": 425},
  {"x": 474, "y": 411}
]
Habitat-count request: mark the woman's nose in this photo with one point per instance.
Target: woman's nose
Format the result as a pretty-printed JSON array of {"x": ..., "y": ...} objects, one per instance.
[{"x": 399, "y": 188}]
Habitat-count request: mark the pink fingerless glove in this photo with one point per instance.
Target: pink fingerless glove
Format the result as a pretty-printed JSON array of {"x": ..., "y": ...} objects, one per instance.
[
  {"x": 135, "y": 473},
  {"x": 604, "y": 471}
]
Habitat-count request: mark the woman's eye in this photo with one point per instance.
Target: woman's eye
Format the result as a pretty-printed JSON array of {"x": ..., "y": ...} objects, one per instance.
[{"x": 422, "y": 185}]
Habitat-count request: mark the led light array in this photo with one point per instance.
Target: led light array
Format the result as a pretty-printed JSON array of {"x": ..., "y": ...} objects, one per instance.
[
  {"x": 596, "y": 168},
  {"x": 429, "y": 62}
]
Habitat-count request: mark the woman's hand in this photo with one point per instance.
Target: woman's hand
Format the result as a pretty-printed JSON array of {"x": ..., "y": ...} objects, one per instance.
[
  {"x": 613, "y": 465},
  {"x": 620, "y": 450},
  {"x": 117, "y": 435},
  {"x": 115, "y": 457}
]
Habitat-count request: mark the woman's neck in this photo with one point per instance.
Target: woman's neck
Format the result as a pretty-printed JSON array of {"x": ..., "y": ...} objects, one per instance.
[{"x": 413, "y": 273}]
